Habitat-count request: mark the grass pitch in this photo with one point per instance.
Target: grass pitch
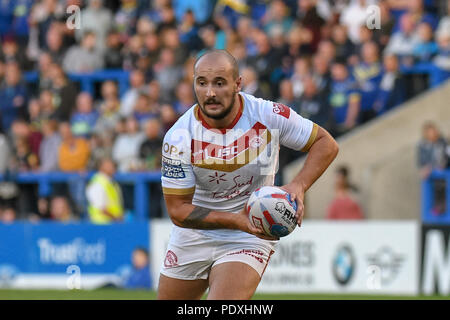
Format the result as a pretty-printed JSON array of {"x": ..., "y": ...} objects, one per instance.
[{"x": 118, "y": 294}]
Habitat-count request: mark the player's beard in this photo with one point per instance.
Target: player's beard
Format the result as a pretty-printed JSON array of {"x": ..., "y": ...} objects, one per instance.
[{"x": 224, "y": 112}]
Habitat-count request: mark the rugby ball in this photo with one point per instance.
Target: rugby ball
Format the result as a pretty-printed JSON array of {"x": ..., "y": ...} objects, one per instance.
[{"x": 271, "y": 209}]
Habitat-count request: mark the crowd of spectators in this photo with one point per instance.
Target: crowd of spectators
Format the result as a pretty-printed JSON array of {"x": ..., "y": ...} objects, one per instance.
[{"x": 317, "y": 56}]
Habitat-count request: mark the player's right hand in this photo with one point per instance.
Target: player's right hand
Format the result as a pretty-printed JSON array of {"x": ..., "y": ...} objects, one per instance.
[{"x": 244, "y": 224}]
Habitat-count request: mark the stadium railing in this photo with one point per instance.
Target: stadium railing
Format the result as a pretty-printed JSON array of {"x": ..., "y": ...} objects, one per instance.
[
  {"x": 435, "y": 74},
  {"x": 428, "y": 216},
  {"x": 140, "y": 181}
]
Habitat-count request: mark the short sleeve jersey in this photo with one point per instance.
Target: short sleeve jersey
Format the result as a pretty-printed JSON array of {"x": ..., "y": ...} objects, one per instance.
[{"x": 222, "y": 167}]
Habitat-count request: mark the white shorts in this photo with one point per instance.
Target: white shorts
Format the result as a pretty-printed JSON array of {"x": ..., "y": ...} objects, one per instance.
[{"x": 191, "y": 254}]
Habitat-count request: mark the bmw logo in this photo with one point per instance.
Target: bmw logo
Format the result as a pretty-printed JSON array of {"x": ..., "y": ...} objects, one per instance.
[{"x": 343, "y": 265}]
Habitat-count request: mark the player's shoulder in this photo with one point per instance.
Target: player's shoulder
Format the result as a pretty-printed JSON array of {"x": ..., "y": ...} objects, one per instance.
[
  {"x": 181, "y": 128},
  {"x": 265, "y": 110},
  {"x": 255, "y": 104},
  {"x": 177, "y": 140}
]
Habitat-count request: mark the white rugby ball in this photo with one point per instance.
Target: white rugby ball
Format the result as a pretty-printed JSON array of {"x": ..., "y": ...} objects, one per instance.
[{"x": 272, "y": 209}]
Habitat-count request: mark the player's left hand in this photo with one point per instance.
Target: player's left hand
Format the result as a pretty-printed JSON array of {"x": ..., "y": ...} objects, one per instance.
[{"x": 296, "y": 193}]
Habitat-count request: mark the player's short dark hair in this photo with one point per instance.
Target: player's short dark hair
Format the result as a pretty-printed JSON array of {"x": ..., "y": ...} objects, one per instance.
[{"x": 223, "y": 53}]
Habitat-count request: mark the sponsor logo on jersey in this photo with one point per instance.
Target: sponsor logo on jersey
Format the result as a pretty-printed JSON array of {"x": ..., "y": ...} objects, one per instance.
[
  {"x": 281, "y": 109},
  {"x": 170, "y": 149},
  {"x": 241, "y": 188},
  {"x": 234, "y": 155},
  {"x": 171, "y": 168}
]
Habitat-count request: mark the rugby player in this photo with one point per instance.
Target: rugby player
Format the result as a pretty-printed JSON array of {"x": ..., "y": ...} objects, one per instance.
[{"x": 216, "y": 154}]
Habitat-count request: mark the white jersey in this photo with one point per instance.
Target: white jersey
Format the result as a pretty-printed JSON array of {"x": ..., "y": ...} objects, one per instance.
[{"x": 221, "y": 168}]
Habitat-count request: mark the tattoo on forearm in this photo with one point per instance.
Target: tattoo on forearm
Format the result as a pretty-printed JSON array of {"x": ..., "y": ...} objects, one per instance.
[{"x": 196, "y": 218}]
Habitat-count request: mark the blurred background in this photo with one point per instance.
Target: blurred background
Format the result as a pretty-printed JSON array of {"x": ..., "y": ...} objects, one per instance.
[{"x": 89, "y": 88}]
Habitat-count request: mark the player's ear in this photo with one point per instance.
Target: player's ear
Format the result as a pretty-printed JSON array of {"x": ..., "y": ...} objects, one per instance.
[{"x": 238, "y": 83}]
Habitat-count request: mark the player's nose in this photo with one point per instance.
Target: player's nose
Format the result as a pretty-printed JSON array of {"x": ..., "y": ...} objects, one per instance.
[{"x": 210, "y": 92}]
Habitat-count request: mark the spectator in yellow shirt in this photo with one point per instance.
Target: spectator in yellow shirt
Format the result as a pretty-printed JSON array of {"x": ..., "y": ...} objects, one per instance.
[{"x": 73, "y": 152}]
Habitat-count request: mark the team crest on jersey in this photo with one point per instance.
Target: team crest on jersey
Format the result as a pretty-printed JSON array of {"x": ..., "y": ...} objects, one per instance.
[{"x": 281, "y": 109}]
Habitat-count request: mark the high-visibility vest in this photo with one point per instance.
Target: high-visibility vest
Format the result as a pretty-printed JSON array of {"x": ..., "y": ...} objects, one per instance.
[{"x": 114, "y": 206}]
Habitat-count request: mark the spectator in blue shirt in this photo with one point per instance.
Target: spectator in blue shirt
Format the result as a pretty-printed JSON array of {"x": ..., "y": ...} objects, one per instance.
[
  {"x": 345, "y": 49},
  {"x": 416, "y": 9},
  {"x": 201, "y": 8},
  {"x": 6, "y": 16},
  {"x": 126, "y": 17},
  {"x": 277, "y": 16},
  {"x": 427, "y": 48},
  {"x": 188, "y": 32},
  {"x": 145, "y": 108},
  {"x": 13, "y": 96},
  {"x": 50, "y": 13},
  {"x": 245, "y": 29},
  {"x": 431, "y": 155},
  {"x": 314, "y": 104},
  {"x": 392, "y": 86},
  {"x": 140, "y": 277},
  {"x": 368, "y": 74},
  {"x": 154, "y": 12},
  {"x": 20, "y": 25},
  {"x": 321, "y": 73},
  {"x": 84, "y": 119},
  {"x": 345, "y": 98},
  {"x": 442, "y": 59},
  {"x": 403, "y": 41},
  {"x": 184, "y": 97}
]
